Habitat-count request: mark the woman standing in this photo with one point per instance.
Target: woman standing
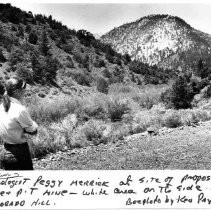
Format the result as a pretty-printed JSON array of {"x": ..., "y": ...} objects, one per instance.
[{"x": 15, "y": 121}]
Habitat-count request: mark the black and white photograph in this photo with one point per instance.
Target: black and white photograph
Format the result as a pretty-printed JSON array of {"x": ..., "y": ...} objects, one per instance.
[{"x": 108, "y": 86}]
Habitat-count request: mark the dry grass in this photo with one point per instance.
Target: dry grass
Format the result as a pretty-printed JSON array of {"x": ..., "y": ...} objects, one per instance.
[
  {"x": 91, "y": 133},
  {"x": 52, "y": 138},
  {"x": 45, "y": 112},
  {"x": 145, "y": 97},
  {"x": 70, "y": 122},
  {"x": 159, "y": 117}
]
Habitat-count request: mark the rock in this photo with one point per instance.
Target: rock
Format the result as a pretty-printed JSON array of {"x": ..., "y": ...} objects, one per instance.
[
  {"x": 52, "y": 158},
  {"x": 107, "y": 131},
  {"x": 152, "y": 130},
  {"x": 41, "y": 95},
  {"x": 135, "y": 136},
  {"x": 60, "y": 158}
]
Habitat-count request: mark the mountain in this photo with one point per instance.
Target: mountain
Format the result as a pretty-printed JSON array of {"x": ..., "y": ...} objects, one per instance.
[
  {"x": 97, "y": 35},
  {"x": 164, "y": 40}
]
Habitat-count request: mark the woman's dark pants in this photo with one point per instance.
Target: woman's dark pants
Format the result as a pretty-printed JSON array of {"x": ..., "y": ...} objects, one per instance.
[{"x": 16, "y": 157}]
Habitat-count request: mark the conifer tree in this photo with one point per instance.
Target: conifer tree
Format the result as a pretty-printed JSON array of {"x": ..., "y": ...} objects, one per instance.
[
  {"x": 33, "y": 38},
  {"x": 45, "y": 44}
]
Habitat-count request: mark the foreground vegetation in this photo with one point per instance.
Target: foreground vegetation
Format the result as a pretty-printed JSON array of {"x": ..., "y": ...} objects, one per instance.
[
  {"x": 182, "y": 148},
  {"x": 81, "y": 121}
]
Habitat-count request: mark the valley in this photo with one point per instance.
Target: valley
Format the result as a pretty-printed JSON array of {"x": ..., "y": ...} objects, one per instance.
[{"x": 137, "y": 98}]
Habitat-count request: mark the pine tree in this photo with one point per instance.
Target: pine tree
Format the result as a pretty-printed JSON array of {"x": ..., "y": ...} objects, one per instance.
[
  {"x": 203, "y": 70},
  {"x": 181, "y": 93},
  {"x": 33, "y": 38},
  {"x": 37, "y": 67},
  {"x": 45, "y": 44},
  {"x": 28, "y": 29},
  {"x": 20, "y": 32}
]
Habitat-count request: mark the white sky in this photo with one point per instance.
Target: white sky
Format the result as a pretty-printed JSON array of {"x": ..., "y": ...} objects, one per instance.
[{"x": 101, "y": 18}]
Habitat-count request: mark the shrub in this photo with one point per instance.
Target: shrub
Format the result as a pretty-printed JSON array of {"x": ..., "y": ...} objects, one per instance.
[
  {"x": 53, "y": 35},
  {"x": 172, "y": 119},
  {"x": 191, "y": 116},
  {"x": 13, "y": 28},
  {"x": 41, "y": 95},
  {"x": 117, "y": 107},
  {"x": 166, "y": 98},
  {"x": 202, "y": 115},
  {"x": 33, "y": 38},
  {"x": 1, "y": 88},
  {"x": 85, "y": 37},
  {"x": 28, "y": 29},
  {"x": 118, "y": 75},
  {"x": 2, "y": 58},
  {"x": 110, "y": 58},
  {"x": 68, "y": 48},
  {"x": 188, "y": 117},
  {"x": 81, "y": 78},
  {"x": 118, "y": 61},
  {"x": 92, "y": 106},
  {"x": 28, "y": 48},
  {"x": 127, "y": 58},
  {"x": 146, "y": 100},
  {"x": 7, "y": 40},
  {"x": 91, "y": 131},
  {"x": 99, "y": 63},
  {"x": 81, "y": 59},
  {"x": 107, "y": 73},
  {"x": 69, "y": 82},
  {"x": 118, "y": 132},
  {"x": 145, "y": 97},
  {"x": 20, "y": 32},
  {"x": 25, "y": 73},
  {"x": 16, "y": 56},
  {"x": 121, "y": 88},
  {"x": 138, "y": 122},
  {"x": 69, "y": 63},
  {"x": 206, "y": 92},
  {"x": 45, "y": 112},
  {"x": 47, "y": 141},
  {"x": 102, "y": 85}
]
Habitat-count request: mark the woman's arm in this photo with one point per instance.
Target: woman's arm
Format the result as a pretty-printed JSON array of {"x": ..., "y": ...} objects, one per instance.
[
  {"x": 31, "y": 133},
  {"x": 25, "y": 121}
]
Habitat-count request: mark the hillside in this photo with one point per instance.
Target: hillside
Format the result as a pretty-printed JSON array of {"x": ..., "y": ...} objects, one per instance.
[
  {"x": 164, "y": 40},
  {"x": 53, "y": 58}
]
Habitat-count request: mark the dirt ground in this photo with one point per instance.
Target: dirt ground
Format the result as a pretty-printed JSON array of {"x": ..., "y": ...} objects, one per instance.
[{"x": 180, "y": 148}]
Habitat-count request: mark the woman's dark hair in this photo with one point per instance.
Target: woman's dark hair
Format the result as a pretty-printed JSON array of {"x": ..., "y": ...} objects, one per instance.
[{"x": 11, "y": 86}]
